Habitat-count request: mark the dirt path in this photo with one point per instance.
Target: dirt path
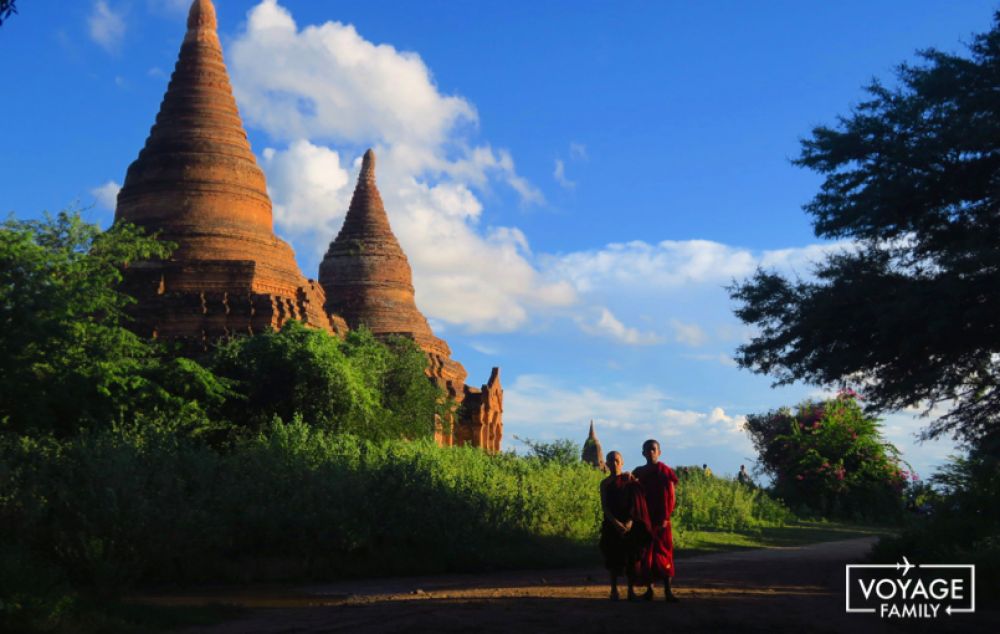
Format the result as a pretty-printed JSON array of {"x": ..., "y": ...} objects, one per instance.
[{"x": 798, "y": 589}]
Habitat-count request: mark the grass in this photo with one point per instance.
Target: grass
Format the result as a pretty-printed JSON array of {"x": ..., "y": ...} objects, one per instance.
[
  {"x": 121, "y": 617},
  {"x": 703, "y": 542}
]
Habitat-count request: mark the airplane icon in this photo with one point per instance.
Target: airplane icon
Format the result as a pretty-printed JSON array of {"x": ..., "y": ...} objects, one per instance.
[{"x": 906, "y": 565}]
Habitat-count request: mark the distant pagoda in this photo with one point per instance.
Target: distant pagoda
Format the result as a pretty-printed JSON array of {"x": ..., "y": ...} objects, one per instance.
[
  {"x": 592, "y": 452},
  {"x": 368, "y": 281},
  {"x": 197, "y": 183}
]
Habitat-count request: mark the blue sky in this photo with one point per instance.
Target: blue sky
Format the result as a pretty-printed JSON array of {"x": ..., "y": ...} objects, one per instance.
[{"x": 573, "y": 183}]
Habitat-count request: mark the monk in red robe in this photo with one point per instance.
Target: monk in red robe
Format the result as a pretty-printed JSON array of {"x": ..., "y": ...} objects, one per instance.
[
  {"x": 625, "y": 531},
  {"x": 659, "y": 483}
]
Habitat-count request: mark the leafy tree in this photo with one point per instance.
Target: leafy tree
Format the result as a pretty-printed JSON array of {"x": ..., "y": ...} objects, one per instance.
[
  {"x": 562, "y": 451},
  {"x": 830, "y": 457},
  {"x": 395, "y": 370},
  {"x": 358, "y": 386},
  {"x": 911, "y": 310},
  {"x": 66, "y": 358},
  {"x": 7, "y": 8}
]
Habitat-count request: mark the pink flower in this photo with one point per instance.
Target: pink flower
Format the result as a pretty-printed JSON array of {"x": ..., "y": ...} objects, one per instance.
[
  {"x": 799, "y": 477},
  {"x": 849, "y": 393}
]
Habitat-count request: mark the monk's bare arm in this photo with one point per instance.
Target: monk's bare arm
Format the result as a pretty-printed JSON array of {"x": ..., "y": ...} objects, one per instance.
[{"x": 671, "y": 498}]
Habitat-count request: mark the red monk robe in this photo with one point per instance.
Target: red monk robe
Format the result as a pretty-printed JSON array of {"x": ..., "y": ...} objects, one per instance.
[
  {"x": 659, "y": 482},
  {"x": 623, "y": 498}
]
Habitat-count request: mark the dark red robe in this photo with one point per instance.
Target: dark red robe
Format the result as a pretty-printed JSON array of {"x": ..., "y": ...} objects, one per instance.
[
  {"x": 658, "y": 482},
  {"x": 626, "y": 501}
]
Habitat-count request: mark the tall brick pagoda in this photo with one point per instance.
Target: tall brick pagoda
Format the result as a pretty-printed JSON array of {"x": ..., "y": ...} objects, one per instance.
[
  {"x": 367, "y": 280},
  {"x": 197, "y": 182}
]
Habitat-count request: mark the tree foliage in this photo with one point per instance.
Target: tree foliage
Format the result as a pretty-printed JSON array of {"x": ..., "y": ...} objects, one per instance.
[
  {"x": 911, "y": 310},
  {"x": 7, "y": 8},
  {"x": 66, "y": 358},
  {"x": 831, "y": 458},
  {"x": 560, "y": 451},
  {"x": 963, "y": 520},
  {"x": 359, "y": 386}
]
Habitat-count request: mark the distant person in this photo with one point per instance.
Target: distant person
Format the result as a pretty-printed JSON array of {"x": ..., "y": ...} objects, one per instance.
[
  {"x": 743, "y": 477},
  {"x": 659, "y": 484},
  {"x": 625, "y": 531},
  {"x": 708, "y": 472}
]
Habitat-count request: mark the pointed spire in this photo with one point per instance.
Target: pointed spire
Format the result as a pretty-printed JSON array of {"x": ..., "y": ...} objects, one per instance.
[
  {"x": 366, "y": 217},
  {"x": 197, "y": 180},
  {"x": 201, "y": 17},
  {"x": 365, "y": 273},
  {"x": 592, "y": 452},
  {"x": 367, "y": 278},
  {"x": 368, "y": 167}
]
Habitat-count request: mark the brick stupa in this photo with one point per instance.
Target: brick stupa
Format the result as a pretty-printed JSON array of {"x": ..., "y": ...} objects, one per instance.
[
  {"x": 367, "y": 280},
  {"x": 592, "y": 452},
  {"x": 198, "y": 184}
]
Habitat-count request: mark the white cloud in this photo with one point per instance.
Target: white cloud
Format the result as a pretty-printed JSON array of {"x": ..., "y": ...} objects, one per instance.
[
  {"x": 688, "y": 428},
  {"x": 560, "y": 175},
  {"x": 329, "y": 93},
  {"x": 328, "y": 82},
  {"x": 902, "y": 429},
  {"x": 106, "y": 26},
  {"x": 106, "y": 195},
  {"x": 607, "y": 325},
  {"x": 688, "y": 334},
  {"x": 309, "y": 187},
  {"x": 666, "y": 264},
  {"x": 482, "y": 348},
  {"x": 324, "y": 93},
  {"x": 801, "y": 260},
  {"x": 532, "y": 398},
  {"x": 675, "y": 264},
  {"x": 621, "y": 411}
]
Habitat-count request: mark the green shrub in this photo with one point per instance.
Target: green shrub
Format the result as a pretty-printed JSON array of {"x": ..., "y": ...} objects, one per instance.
[
  {"x": 563, "y": 451},
  {"x": 707, "y": 502},
  {"x": 67, "y": 360},
  {"x": 830, "y": 459},
  {"x": 106, "y": 509},
  {"x": 358, "y": 386},
  {"x": 964, "y": 521}
]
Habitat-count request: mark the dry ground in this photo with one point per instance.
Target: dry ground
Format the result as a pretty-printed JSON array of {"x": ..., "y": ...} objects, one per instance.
[{"x": 797, "y": 589}]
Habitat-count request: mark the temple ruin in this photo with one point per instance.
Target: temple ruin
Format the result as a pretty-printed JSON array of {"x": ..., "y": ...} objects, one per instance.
[{"x": 197, "y": 183}]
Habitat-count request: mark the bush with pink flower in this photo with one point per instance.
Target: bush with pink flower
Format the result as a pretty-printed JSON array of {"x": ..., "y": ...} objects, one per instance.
[{"x": 829, "y": 458}]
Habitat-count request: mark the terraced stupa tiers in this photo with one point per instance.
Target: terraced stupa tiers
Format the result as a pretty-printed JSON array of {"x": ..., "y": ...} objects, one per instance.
[{"x": 198, "y": 184}]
